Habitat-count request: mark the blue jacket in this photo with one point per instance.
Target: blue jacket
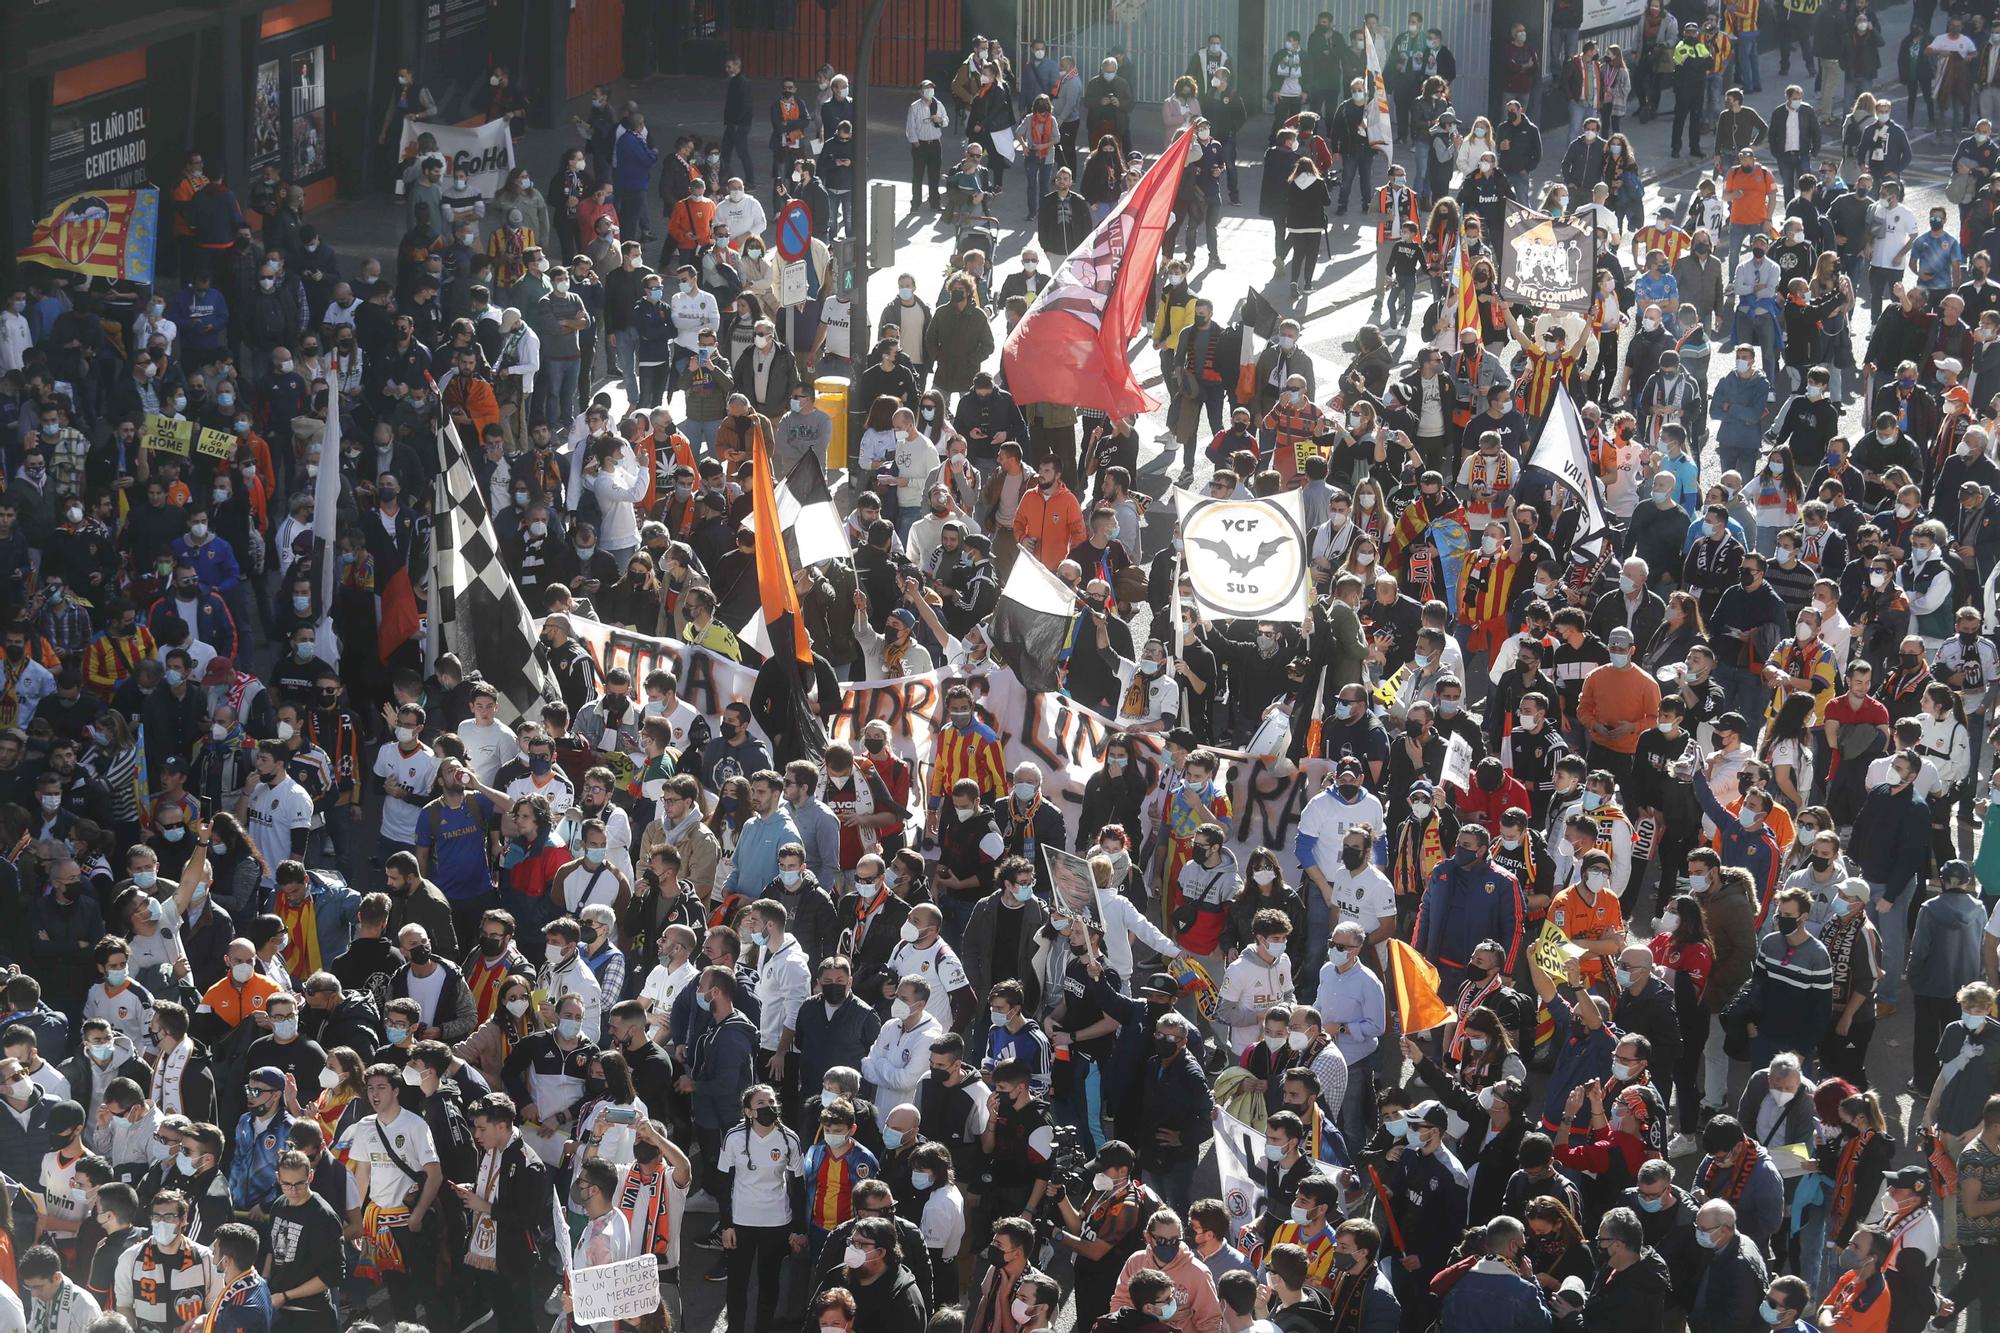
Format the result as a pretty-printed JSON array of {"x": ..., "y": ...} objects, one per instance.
[
  {"x": 214, "y": 562},
  {"x": 1892, "y": 854},
  {"x": 757, "y": 850},
  {"x": 253, "y": 1170},
  {"x": 202, "y": 317},
  {"x": 335, "y": 907},
  {"x": 1755, "y": 850},
  {"x": 1731, "y": 1287},
  {"x": 632, "y": 160},
  {"x": 1462, "y": 907},
  {"x": 1580, "y": 1056},
  {"x": 244, "y": 1311},
  {"x": 1760, "y": 1208},
  {"x": 1493, "y": 1298},
  {"x": 1945, "y": 947},
  {"x": 213, "y": 625},
  {"x": 1739, "y": 403}
]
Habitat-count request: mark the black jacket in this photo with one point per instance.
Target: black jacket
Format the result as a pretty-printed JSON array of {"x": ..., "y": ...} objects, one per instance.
[
  {"x": 1174, "y": 1096},
  {"x": 915, "y": 1258},
  {"x": 1651, "y": 1012},
  {"x": 1632, "y": 1301}
]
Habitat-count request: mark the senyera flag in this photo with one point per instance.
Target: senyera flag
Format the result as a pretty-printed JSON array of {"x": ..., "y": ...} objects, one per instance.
[
  {"x": 1071, "y": 347},
  {"x": 100, "y": 234}
]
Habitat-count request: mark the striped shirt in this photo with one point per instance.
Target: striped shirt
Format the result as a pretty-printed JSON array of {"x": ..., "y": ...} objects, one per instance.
[
  {"x": 163, "y": 1291},
  {"x": 971, "y": 752},
  {"x": 830, "y": 1182}
]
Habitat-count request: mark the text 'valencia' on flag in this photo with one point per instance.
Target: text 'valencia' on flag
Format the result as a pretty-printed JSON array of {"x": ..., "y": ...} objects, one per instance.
[
  {"x": 478, "y": 612},
  {"x": 1072, "y": 346},
  {"x": 1030, "y": 622}
]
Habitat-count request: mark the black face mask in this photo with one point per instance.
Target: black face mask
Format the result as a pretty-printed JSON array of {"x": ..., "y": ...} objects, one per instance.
[
  {"x": 835, "y": 995},
  {"x": 645, "y": 1154},
  {"x": 492, "y": 948},
  {"x": 1352, "y": 857},
  {"x": 1165, "y": 1047},
  {"x": 766, "y": 1115}
]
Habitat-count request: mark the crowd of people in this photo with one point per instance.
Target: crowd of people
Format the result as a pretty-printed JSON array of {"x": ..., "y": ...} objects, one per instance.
[{"x": 338, "y": 993}]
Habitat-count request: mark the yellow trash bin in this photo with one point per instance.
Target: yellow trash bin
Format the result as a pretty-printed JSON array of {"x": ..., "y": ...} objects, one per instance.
[{"x": 833, "y": 391}]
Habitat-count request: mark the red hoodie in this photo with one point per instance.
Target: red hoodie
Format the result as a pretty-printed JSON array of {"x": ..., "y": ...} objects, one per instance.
[{"x": 1477, "y": 805}]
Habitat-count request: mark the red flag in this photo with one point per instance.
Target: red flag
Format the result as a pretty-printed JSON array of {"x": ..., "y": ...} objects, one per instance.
[
  {"x": 1072, "y": 347},
  {"x": 398, "y": 623}
]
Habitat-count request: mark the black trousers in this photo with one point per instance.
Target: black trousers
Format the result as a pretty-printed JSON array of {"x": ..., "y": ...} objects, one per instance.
[
  {"x": 1979, "y": 1281},
  {"x": 1847, "y": 1057},
  {"x": 1933, "y": 1013},
  {"x": 1687, "y": 113},
  {"x": 926, "y": 165},
  {"x": 416, "y": 1286},
  {"x": 767, "y": 1249},
  {"x": 516, "y": 1306}
]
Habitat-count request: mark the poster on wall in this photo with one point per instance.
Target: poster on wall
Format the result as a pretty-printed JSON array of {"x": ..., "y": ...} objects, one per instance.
[
  {"x": 308, "y": 139},
  {"x": 455, "y": 48},
  {"x": 96, "y": 143},
  {"x": 288, "y": 112},
  {"x": 266, "y": 116}
]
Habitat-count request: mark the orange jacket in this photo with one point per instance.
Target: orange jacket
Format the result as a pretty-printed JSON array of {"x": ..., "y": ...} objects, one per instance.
[
  {"x": 1054, "y": 523},
  {"x": 692, "y": 223},
  {"x": 475, "y": 395}
]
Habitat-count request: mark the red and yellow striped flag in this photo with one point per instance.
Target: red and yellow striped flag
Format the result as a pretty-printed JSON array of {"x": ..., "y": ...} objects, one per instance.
[{"x": 1468, "y": 300}]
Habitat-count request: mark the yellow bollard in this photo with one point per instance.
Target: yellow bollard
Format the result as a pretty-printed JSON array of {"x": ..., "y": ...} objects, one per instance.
[{"x": 833, "y": 390}]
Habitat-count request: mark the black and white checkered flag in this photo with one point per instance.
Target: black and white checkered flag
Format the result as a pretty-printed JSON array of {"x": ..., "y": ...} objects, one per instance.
[{"x": 480, "y": 614}]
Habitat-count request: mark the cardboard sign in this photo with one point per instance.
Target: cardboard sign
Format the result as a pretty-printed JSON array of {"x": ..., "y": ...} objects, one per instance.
[
  {"x": 1552, "y": 951},
  {"x": 164, "y": 435},
  {"x": 627, "y": 1290},
  {"x": 215, "y": 443}
]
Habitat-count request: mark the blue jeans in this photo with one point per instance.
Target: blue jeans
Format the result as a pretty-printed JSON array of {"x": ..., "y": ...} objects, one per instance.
[
  {"x": 1749, "y": 77},
  {"x": 1740, "y": 232},
  {"x": 1893, "y": 926},
  {"x": 1039, "y": 175},
  {"x": 1578, "y": 112},
  {"x": 701, "y": 436},
  {"x": 1746, "y": 693},
  {"x": 1365, "y": 169},
  {"x": 627, "y": 356},
  {"x": 559, "y": 380}
]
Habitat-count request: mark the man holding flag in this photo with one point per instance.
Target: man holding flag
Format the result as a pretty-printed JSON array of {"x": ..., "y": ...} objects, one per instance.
[{"x": 1468, "y": 899}]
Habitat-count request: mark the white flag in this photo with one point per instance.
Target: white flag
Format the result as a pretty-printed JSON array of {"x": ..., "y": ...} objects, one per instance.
[
  {"x": 1238, "y": 1149},
  {"x": 1560, "y": 453}
]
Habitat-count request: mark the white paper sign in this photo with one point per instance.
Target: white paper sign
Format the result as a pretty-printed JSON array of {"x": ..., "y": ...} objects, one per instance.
[
  {"x": 792, "y": 283},
  {"x": 1457, "y": 768},
  {"x": 1003, "y": 143},
  {"x": 609, "y": 1292}
]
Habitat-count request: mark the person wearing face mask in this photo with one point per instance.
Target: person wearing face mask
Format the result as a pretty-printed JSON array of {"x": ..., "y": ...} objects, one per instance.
[{"x": 263, "y": 1132}]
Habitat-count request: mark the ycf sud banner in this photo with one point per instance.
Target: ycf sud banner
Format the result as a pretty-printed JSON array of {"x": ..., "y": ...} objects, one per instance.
[
  {"x": 484, "y": 153},
  {"x": 1066, "y": 741},
  {"x": 1546, "y": 264}
]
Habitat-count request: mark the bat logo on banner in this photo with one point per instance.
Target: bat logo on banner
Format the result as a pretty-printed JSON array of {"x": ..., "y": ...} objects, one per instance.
[{"x": 1238, "y": 565}]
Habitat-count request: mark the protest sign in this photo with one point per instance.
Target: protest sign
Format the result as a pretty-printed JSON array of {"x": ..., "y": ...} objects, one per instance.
[
  {"x": 164, "y": 435},
  {"x": 626, "y": 1290},
  {"x": 1456, "y": 770},
  {"x": 1546, "y": 264},
  {"x": 1073, "y": 883},
  {"x": 214, "y": 443},
  {"x": 1552, "y": 951},
  {"x": 484, "y": 154}
]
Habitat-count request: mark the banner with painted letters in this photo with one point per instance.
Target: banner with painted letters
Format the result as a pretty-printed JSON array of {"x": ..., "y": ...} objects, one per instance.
[
  {"x": 1065, "y": 740},
  {"x": 484, "y": 154}
]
